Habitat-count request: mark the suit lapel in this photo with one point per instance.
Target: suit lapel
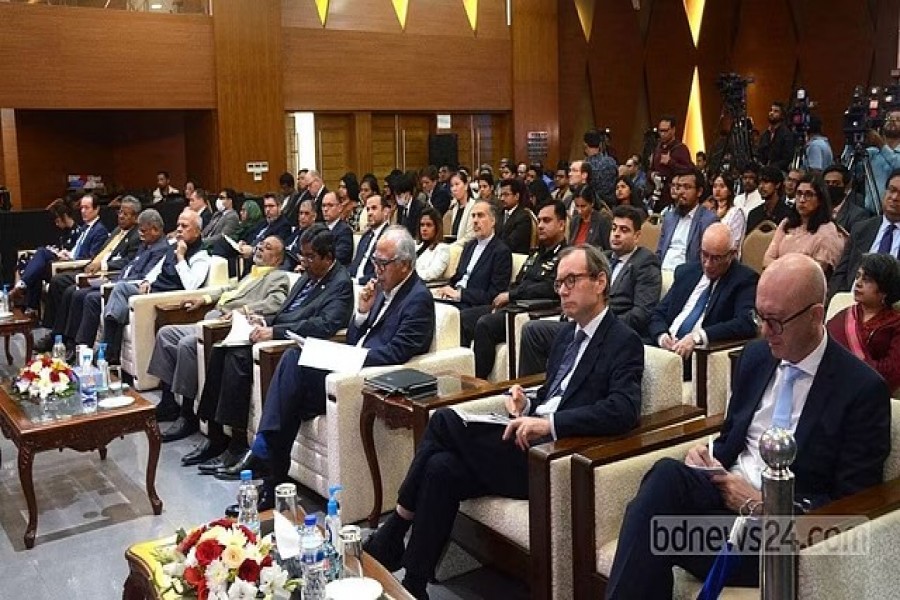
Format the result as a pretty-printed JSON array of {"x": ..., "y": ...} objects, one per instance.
[
  {"x": 586, "y": 364},
  {"x": 817, "y": 399},
  {"x": 743, "y": 416},
  {"x": 397, "y": 301}
]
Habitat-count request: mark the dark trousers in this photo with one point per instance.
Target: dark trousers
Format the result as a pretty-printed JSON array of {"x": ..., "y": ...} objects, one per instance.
[
  {"x": 534, "y": 347},
  {"x": 490, "y": 330},
  {"x": 229, "y": 380},
  {"x": 669, "y": 488},
  {"x": 468, "y": 317},
  {"x": 84, "y": 316},
  {"x": 56, "y": 306},
  {"x": 455, "y": 462},
  {"x": 35, "y": 273}
]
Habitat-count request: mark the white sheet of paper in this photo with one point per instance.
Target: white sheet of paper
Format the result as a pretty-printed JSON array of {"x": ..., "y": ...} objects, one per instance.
[
  {"x": 331, "y": 356},
  {"x": 709, "y": 471},
  {"x": 491, "y": 418},
  {"x": 239, "y": 335},
  {"x": 286, "y": 536},
  {"x": 231, "y": 242}
]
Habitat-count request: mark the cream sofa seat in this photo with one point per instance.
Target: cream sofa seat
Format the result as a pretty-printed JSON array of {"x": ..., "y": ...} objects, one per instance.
[
  {"x": 511, "y": 518},
  {"x": 140, "y": 335}
]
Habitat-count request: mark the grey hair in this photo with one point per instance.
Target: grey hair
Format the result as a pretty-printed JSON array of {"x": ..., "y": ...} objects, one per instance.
[
  {"x": 406, "y": 245},
  {"x": 133, "y": 202},
  {"x": 194, "y": 217},
  {"x": 596, "y": 262},
  {"x": 152, "y": 218}
]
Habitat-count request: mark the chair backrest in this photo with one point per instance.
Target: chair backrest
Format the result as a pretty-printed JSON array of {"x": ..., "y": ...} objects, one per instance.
[
  {"x": 766, "y": 226},
  {"x": 754, "y": 247},
  {"x": 218, "y": 272},
  {"x": 534, "y": 229},
  {"x": 892, "y": 464},
  {"x": 455, "y": 252},
  {"x": 517, "y": 261},
  {"x": 667, "y": 278},
  {"x": 356, "y": 238},
  {"x": 839, "y": 302},
  {"x": 650, "y": 233},
  {"x": 661, "y": 382},
  {"x": 446, "y": 327}
]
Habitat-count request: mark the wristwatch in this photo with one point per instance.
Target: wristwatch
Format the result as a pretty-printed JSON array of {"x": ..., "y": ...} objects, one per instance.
[{"x": 698, "y": 339}]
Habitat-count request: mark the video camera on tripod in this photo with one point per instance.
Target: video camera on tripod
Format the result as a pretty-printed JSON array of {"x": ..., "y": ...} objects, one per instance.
[
  {"x": 734, "y": 149},
  {"x": 733, "y": 88}
]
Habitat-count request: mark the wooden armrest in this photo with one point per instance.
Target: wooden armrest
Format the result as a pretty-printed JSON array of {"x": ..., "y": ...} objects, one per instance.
[
  {"x": 176, "y": 314},
  {"x": 703, "y": 355},
  {"x": 213, "y": 332},
  {"x": 436, "y": 283},
  {"x": 721, "y": 346},
  {"x": 268, "y": 362},
  {"x": 83, "y": 280}
]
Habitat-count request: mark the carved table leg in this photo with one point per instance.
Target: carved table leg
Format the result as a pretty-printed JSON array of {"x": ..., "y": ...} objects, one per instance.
[
  {"x": 8, "y": 353},
  {"x": 29, "y": 346},
  {"x": 154, "y": 440},
  {"x": 366, "y": 433},
  {"x": 26, "y": 461},
  {"x": 134, "y": 588}
]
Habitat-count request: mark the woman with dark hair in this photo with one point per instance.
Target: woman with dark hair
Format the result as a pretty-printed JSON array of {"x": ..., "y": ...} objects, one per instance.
[
  {"x": 348, "y": 197},
  {"x": 589, "y": 226},
  {"x": 460, "y": 210},
  {"x": 625, "y": 192},
  {"x": 728, "y": 213},
  {"x": 870, "y": 327},
  {"x": 486, "y": 188},
  {"x": 808, "y": 228},
  {"x": 432, "y": 254},
  {"x": 368, "y": 186}
]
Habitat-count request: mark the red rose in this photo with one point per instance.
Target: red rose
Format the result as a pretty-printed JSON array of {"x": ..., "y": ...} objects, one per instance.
[
  {"x": 188, "y": 542},
  {"x": 208, "y": 551},
  {"x": 266, "y": 561},
  {"x": 226, "y": 523},
  {"x": 249, "y": 570},
  {"x": 46, "y": 360},
  {"x": 251, "y": 537},
  {"x": 54, "y": 376},
  {"x": 202, "y": 590},
  {"x": 193, "y": 577},
  {"x": 28, "y": 375}
]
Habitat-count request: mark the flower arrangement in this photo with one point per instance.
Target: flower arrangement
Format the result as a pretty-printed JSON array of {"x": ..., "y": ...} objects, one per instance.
[
  {"x": 45, "y": 376},
  {"x": 222, "y": 561}
]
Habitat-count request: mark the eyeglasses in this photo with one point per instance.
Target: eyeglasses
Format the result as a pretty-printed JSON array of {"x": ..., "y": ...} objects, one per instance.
[
  {"x": 807, "y": 195},
  {"x": 568, "y": 281},
  {"x": 382, "y": 263},
  {"x": 305, "y": 258},
  {"x": 714, "y": 258},
  {"x": 777, "y": 326}
]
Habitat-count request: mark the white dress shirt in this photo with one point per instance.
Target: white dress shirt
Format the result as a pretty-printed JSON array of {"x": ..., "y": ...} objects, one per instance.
[
  {"x": 473, "y": 260},
  {"x": 623, "y": 260},
  {"x": 677, "y": 251},
  {"x": 360, "y": 270}
]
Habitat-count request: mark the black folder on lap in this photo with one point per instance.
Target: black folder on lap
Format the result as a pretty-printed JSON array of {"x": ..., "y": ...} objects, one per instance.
[{"x": 408, "y": 382}]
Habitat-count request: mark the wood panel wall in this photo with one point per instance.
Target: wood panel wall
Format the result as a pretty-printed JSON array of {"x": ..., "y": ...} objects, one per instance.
[
  {"x": 248, "y": 50},
  {"x": 9, "y": 155}
]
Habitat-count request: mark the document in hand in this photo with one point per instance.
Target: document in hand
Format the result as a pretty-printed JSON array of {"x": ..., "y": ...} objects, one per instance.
[
  {"x": 331, "y": 356},
  {"x": 231, "y": 242},
  {"x": 239, "y": 335},
  {"x": 490, "y": 418}
]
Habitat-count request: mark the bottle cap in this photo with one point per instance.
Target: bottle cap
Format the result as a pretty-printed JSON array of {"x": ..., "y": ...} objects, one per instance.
[
  {"x": 332, "y": 500},
  {"x": 101, "y": 352},
  {"x": 59, "y": 339},
  {"x": 309, "y": 520},
  {"x": 246, "y": 475}
]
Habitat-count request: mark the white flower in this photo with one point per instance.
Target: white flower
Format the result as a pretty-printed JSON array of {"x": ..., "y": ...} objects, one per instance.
[
  {"x": 191, "y": 558},
  {"x": 174, "y": 569},
  {"x": 36, "y": 367},
  {"x": 218, "y": 593},
  {"x": 214, "y": 533},
  {"x": 216, "y": 573},
  {"x": 252, "y": 552},
  {"x": 23, "y": 384},
  {"x": 233, "y": 537},
  {"x": 272, "y": 578},
  {"x": 242, "y": 590},
  {"x": 64, "y": 379},
  {"x": 232, "y": 556}
]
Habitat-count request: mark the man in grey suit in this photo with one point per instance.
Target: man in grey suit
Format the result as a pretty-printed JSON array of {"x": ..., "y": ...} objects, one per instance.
[
  {"x": 225, "y": 220},
  {"x": 635, "y": 284},
  {"x": 318, "y": 305},
  {"x": 683, "y": 226},
  {"x": 174, "y": 358}
]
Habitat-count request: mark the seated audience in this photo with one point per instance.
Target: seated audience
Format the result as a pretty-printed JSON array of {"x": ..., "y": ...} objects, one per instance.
[
  {"x": 274, "y": 224},
  {"x": 225, "y": 220},
  {"x": 484, "y": 270},
  {"x": 461, "y": 228},
  {"x": 533, "y": 282},
  {"x": 870, "y": 328},
  {"x": 796, "y": 379},
  {"x": 588, "y": 226},
  {"x": 432, "y": 254},
  {"x": 290, "y": 197},
  {"x": 844, "y": 210},
  {"x": 683, "y": 226},
  {"x": 750, "y": 197},
  {"x": 343, "y": 235},
  {"x": 486, "y": 188},
  {"x": 773, "y": 207},
  {"x": 306, "y": 217},
  {"x": 562, "y": 191},
  {"x": 409, "y": 207},
  {"x": 199, "y": 203},
  {"x": 708, "y": 302},
  {"x": 626, "y": 193},
  {"x": 809, "y": 229},
  {"x": 594, "y": 388},
  {"x": 348, "y": 196},
  {"x": 163, "y": 187},
  {"x": 514, "y": 221},
  {"x": 377, "y": 214},
  {"x": 174, "y": 360},
  {"x": 726, "y": 211},
  {"x": 436, "y": 195}
]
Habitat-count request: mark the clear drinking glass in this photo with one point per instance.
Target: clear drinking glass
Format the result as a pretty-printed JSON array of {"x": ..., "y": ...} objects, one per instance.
[
  {"x": 286, "y": 501},
  {"x": 115, "y": 381},
  {"x": 351, "y": 536}
]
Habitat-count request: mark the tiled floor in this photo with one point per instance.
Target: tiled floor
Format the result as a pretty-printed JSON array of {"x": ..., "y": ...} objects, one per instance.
[{"x": 90, "y": 511}]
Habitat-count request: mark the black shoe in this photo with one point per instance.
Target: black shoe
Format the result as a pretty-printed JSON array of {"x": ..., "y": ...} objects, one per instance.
[
  {"x": 224, "y": 459},
  {"x": 247, "y": 461},
  {"x": 416, "y": 587},
  {"x": 180, "y": 429},
  {"x": 166, "y": 410},
  {"x": 202, "y": 452},
  {"x": 386, "y": 546}
]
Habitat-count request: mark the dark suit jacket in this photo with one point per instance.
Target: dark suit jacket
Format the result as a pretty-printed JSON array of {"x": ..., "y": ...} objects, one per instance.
[
  {"x": 703, "y": 218},
  {"x": 843, "y": 436},
  {"x": 93, "y": 242},
  {"x": 326, "y": 310},
  {"x": 759, "y": 214},
  {"x": 361, "y": 247},
  {"x": 729, "y": 308},
  {"x": 851, "y": 214},
  {"x": 862, "y": 236},
  {"x": 516, "y": 231},
  {"x": 280, "y": 228},
  {"x": 490, "y": 276},
  {"x": 126, "y": 249},
  {"x": 441, "y": 199},
  {"x": 635, "y": 292},
  {"x": 343, "y": 242},
  {"x": 405, "y": 330},
  {"x": 603, "y": 396},
  {"x": 598, "y": 232},
  {"x": 289, "y": 208},
  {"x": 412, "y": 214}
]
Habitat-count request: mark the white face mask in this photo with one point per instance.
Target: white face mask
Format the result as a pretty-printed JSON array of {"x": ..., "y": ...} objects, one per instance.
[{"x": 220, "y": 204}]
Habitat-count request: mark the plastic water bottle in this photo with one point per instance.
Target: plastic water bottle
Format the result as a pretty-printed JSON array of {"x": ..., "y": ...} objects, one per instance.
[
  {"x": 334, "y": 559},
  {"x": 87, "y": 384},
  {"x": 103, "y": 370},
  {"x": 247, "y": 498},
  {"x": 59, "y": 348},
  {"x": 312, "y": 558},
  {"x": 4, "y": 300}
]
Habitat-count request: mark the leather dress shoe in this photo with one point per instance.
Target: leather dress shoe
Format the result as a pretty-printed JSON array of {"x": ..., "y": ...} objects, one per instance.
[
  {"x": 204, "y": 451},
  {"x": 166, "y": 410},
  {"x": 386, "y": 547},
  {"x": 225, "y": 459},
  {"x": 246, "y": 461},
  {"x": 180, "y": 429}
]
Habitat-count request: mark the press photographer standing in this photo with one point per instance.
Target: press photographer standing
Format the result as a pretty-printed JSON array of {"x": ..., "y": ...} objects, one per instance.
[
  {"x": 884, "y": 155},
  {"x": 776, "y": 146}
]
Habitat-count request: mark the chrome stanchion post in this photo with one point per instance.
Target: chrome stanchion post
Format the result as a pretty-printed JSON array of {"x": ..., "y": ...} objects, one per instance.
[{"x": 778, "y": 579}]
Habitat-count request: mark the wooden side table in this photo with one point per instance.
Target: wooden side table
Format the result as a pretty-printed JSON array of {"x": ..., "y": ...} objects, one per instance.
[{"x": 22, "y": 323}]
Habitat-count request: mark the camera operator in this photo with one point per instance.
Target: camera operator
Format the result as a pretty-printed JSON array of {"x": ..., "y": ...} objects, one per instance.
[
  {"x": 776, "y": 145},
  {"x": 884, "y": 154},
  {"x": 818, "y": 149},
  {"x": 670, "y": 156}
]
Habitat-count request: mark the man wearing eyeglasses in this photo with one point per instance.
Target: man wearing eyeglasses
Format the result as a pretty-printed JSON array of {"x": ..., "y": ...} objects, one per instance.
[
  {"x": 795, "y": 379},
  {"x": 593, "y": 387},
  {"x": 683, "y": 227},
  {"x": 342, "y": 232},
  {"x": 708, "y": 302},
  {"x": 225, "y": 220}
]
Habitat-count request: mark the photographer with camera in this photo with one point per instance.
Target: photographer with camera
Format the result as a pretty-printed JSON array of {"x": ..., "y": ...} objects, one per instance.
[
  {"x": 884, "y": 155},
  {"x": 776, "y": 145},
  {"x": 818, "y": 149}
]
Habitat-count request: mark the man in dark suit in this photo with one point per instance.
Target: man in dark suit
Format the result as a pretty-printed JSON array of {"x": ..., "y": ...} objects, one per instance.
[
  {"x": 436, "y": 195},
  {"x": 683, "y": 227},
  {"x": 484, "y": 270},
  {"x": 378, "y": 211},
  {"x": 877, "y": 234},
  {"x": 588, "y": 226},
  {"x": 409, "y": 208},
  {"x": 274, "y": 224},
  {"x": 306, "y": 216},
  {"x": 316, "y": 190},
  {"x": 290, "y": 198},
  {"x": 708, "y": 302},
  {"x": 343, "y": 234},
  {"x": 534, "y": 282},
  {"x": 121, "y": 246},
  {"x": 318, "y": 305},
  {"x": 593, "y": 388},
  {"x": 837, "y": 408},
  {"x": 394, "y": 319},
  {"x": 515, "y": 221},
  {"x": 844, "y": 210}
]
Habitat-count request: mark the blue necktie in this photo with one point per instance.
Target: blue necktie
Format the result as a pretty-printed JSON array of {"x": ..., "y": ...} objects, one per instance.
[
  {"x": 304, "y": 292},
  {"x": 887, "y": 240},
  {"x": 568, "y": 361},
  {"x": 784, "y": 403},
  {"x": 77, "y": 248},
  {"x": 690, "y": 321}
]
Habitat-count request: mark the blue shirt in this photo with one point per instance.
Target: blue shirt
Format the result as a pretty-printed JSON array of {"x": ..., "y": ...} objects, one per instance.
[
  {"x": 818, "y": 153},
  {"x": 882, "y": 230},
  {"x": 882, "y": 160}
]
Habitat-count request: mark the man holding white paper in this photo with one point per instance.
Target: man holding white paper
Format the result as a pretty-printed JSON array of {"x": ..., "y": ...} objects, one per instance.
[{"x": 394, "y": 321}]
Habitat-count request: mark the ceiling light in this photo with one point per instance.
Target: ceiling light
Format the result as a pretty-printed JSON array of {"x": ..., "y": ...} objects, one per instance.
[{"x": 156, "y": 6}]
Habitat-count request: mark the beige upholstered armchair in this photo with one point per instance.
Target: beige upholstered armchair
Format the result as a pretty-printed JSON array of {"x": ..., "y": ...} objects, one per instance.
[{"x": 606, "y": 478}]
